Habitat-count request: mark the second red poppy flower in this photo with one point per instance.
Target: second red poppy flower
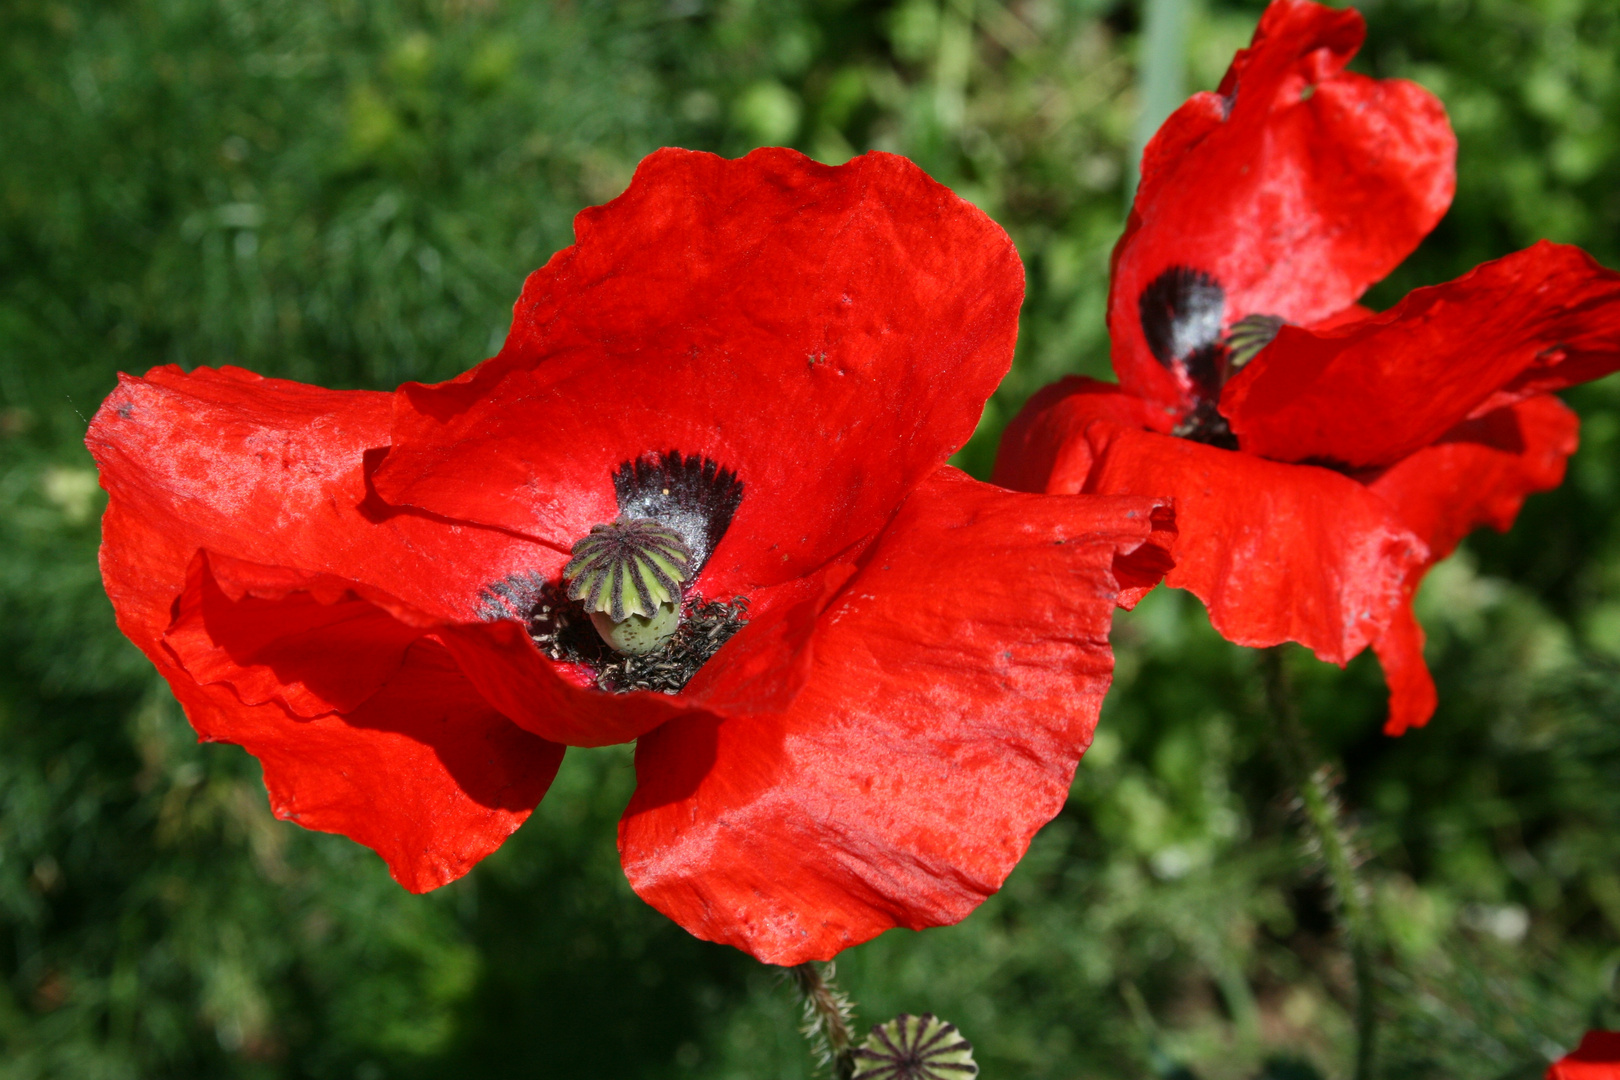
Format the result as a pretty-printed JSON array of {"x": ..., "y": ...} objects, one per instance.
[{"x": 1322, "y": 457}]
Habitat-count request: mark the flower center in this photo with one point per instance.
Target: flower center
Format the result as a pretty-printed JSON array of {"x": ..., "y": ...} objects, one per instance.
[
  {"x": 628, "y": 576},
  {"x": 1181, "y": 312},
  {"x": 648, "y": 629}
]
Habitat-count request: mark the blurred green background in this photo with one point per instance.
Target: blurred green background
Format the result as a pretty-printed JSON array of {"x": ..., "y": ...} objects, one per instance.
[{"x": 350, "y": 192}]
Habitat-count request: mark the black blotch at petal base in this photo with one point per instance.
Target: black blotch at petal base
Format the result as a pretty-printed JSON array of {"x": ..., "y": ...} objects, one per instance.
[
  {"x": 1181, "y": 312},
  {"x": 513, "y": 597},
  {"x": 692, "y": 495}
]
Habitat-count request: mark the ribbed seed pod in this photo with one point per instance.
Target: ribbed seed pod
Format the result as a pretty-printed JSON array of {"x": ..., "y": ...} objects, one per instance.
[
  {"x": 915, "y": 1048},
  {"x": 1248, "y": 336},
  {"x": 632, "y": 567},
  {"x": 628, "y": 576}
]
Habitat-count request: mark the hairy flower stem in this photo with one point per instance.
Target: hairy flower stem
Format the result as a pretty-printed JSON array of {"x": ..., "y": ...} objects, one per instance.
[
  {"x": 827, "y": 1016},
  {"x": 1333, "y": 835}
]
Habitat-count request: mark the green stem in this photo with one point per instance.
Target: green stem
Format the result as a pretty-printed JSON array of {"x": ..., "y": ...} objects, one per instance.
[
  {"x": 827, "y": 1016},
  {"x": 1161, "y": 77},
  {"x": 1332, "y": 834}
]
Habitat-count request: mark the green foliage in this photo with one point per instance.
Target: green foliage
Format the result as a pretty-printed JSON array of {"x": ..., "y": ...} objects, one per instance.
[{"x": 350, "y": 193}]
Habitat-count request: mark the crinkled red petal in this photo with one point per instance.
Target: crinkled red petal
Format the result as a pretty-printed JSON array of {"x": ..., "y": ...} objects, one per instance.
[
  {"x": 1045, "y": 449},
  {"x": 954, "y": 685},
  {"x": 309, "y": 641},
  {"x": 1295, "y": 186},
  {"x": 1290, "y": 572},
  {"x": 1276, "y": 552},
  {"x": 423, "y": 770},
  {"x": 790, "y": 321},
  {"x": 1412, "y": 696},
  {"x": 1596, "y": 1058},
  {"x": 274, "y": 472},
  {"x": 1373, "y": 392},
  {"x": 1480, "y": 471},
  {"x": 319, "y": 644},
  {"x": 1342, "y": 317}
]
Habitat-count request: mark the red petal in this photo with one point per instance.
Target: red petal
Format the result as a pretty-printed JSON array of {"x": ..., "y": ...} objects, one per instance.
[
  {"x": 1480, "y": 471},
  {"x": 319, "y": 644},
  {"x": 424, "y": 772},
  {"x": 273, "y": 472},
  {"x": 1597, "y": 1058},
  {"x": 306, "y": 640},
  {"x": 1044, "y": 448},
  {"x": 1276, "y": 552},
  {"x": 939, "y": 729},
  {"x": 793, "y": 322},
  {"x": 1372, "y": 392},
  {"x": 1296, "y": 185},
  {"x": 1477, "y": 474},
  {"x": 1412, "y": 696},
  {"x": 1342, "y": 317}
]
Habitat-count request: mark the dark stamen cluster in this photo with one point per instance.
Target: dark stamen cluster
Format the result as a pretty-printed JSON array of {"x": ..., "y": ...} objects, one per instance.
[
  {"x": 564, "y": 633},
  {"x": 1205, "y": 424}
]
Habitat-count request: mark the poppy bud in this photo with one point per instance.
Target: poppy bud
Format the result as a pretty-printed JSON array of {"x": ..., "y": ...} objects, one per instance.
[
  {"x": 628, "y": 575},
  {"x": 915, "y": 1048}
]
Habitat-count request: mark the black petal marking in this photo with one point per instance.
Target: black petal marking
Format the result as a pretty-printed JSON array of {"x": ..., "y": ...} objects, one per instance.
[
  {"x": 692, "y": 495},
  {"x": 1181, "y": 313},
  {"x": 513, "y": 597}
]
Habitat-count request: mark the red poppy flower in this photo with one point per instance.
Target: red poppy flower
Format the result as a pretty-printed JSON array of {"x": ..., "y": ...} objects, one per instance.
[
  {"x": 748, "y": 375},
  {"x": 1597, "y": 1058},
  {"x": 1322, "y": 457}
]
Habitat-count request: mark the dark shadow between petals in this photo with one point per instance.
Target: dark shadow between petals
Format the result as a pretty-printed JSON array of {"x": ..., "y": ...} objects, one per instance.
[{"x": 495, "y": 763}]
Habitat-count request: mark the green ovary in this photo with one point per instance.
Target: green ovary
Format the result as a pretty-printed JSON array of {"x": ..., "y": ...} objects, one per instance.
[{"x": 638, "y": 635}]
